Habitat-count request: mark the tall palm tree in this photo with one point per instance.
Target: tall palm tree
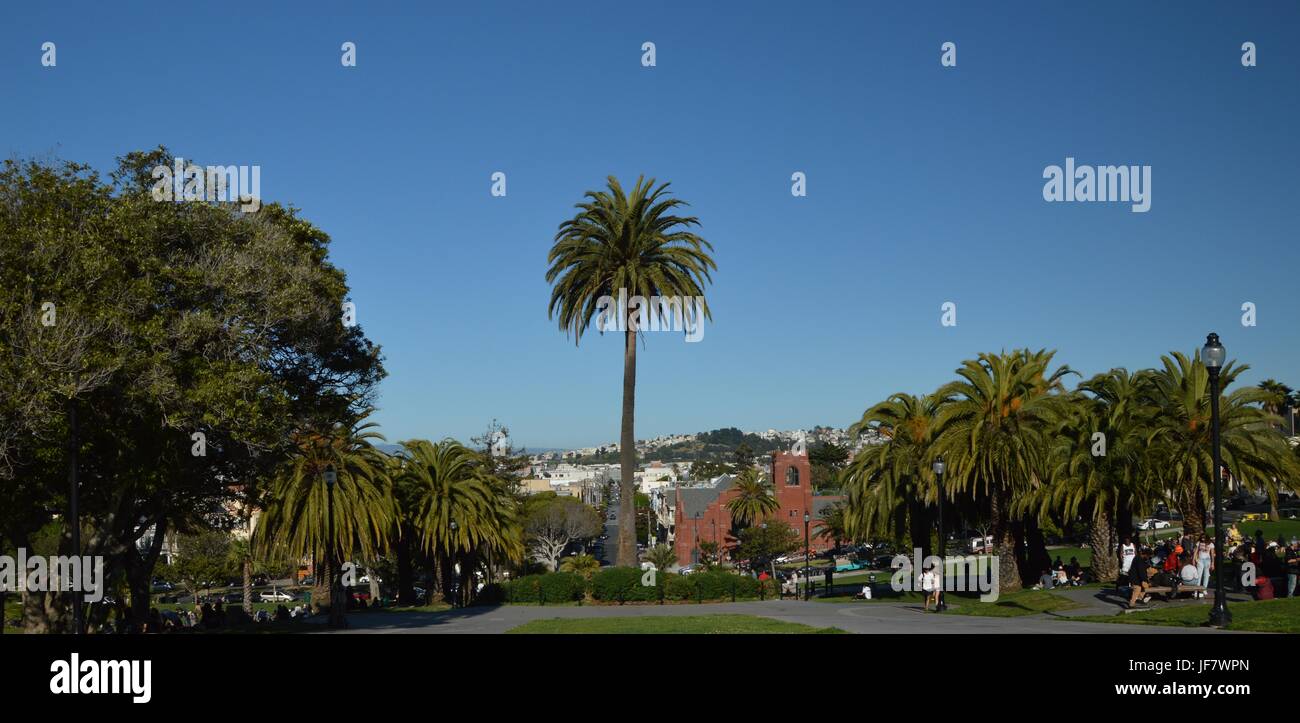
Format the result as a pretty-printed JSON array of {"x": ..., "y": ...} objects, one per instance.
[
  {"x": 1103, "y": 483},
  {"x": 1253, "y": 449},
  {"x": 462, "y": 513},
  {"x": 633, "y": 242},
  {"x": 754, "y": 499},
  {"x": 833, "y": 526},
  {"x": 995, "y": 437},
  {"x": 296, "y": 521},
  {"x": 890, "y": 486},
  {"x": 1278, "y": 399}
]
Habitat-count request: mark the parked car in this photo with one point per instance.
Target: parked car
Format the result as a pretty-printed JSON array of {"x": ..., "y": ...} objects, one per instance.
[
  {"x": 1152, "y": 524},
  {"x": 981, "y": 544},
  {"x": 275, "y": 596}
]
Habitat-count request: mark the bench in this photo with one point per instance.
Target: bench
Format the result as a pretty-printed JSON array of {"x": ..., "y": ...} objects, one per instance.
[{"x": 1168, "y": 592}]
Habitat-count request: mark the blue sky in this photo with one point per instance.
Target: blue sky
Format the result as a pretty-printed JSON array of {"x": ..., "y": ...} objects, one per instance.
[{"x": 924, "y": 183}]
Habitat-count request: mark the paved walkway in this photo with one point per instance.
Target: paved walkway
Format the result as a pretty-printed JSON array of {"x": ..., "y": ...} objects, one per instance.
[{"x": 878, "y": 617}]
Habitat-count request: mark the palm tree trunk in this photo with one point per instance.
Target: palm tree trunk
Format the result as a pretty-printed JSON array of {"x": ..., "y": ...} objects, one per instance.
[
  {"x": 1101, "y": 537},
  {"x": 919, "y": 528},
  {"x": 627, "y": 457},
  {"x": 405, "y": 571},
  {"x": 1194, "y": 512},
  {"x": 1004, "y": 544},
  {"x": 1038, "y": 557},
  {"x": 248, "y": 585}
]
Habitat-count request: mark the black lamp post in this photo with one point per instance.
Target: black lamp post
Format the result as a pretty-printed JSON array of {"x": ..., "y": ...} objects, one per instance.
[
  {"x": 336, "y": 593},
  {"x": 453, "y": 585},
  {"x": 1212, "y": 355},
  {"x": 806, "y": 549},
  {"x": 697, "y": 538},
  {"x": 943, "y": 547}
]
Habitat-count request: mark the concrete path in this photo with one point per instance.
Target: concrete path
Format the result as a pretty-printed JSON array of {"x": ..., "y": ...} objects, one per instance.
[{"x": 867, "y": 618}]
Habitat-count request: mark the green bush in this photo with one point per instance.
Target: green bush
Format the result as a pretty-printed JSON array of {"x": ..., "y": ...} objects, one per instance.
[
  {"x": 550, "y": 587},
  {"x": 714, "y": 585},
  {"x": 616, "y": 584}
]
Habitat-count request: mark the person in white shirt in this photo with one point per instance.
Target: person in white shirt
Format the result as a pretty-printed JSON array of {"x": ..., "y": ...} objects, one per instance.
[
  {"x": 1128, "y": 551},
  {"x": 930, "y": 586}
]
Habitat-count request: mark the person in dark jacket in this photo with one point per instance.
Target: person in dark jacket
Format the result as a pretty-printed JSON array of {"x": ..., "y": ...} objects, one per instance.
[{"x": 1138, "y": 577}]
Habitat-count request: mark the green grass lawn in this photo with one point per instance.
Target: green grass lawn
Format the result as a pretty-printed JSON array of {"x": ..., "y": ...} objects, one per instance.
[
  {"x": 665, "y": 624},
  {"x": 1286, "y": 528},
  {"x": 1010, "y": 605},
  {"x": 1263, "y": 616}
]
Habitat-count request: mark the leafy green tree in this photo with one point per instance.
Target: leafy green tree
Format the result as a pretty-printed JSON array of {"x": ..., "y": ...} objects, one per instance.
[
  {"x": 170, "y": 320},
  {"x": 764, "y": 542},
  {"x": 633, "y": 242},
  {"x": 203, "y": 560},
  {"x": 703, "y": 470},
  {"x": 553, "y": 523}
]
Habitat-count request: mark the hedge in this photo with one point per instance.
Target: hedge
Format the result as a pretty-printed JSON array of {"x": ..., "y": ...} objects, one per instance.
[
  {"x": 616, "y": 585},
  {"x": 551, "y": 587}
]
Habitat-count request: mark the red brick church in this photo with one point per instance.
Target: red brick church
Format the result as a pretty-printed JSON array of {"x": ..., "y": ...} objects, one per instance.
[{"x": 702, "y": 514}]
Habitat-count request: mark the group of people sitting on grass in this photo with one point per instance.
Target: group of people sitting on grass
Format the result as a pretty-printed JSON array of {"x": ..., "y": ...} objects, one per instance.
[{"x": 1061, "y": 575}]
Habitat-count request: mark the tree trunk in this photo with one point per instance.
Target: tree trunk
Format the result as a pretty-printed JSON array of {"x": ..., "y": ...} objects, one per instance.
[
  {"x": 320, "y": 591},
  {"x": 627, "y": 457},
  {"x": 248, "y": 585},
  {"x": 919, "y": 528},
  {"x": 1004, "y": 544},
  {"x": 1194, "y": 513},
  {"x": 405, "y": 571},
  {"x": 1124, "y": 521},
  {"x": 1102, "y": 540},
  {"x": 1038, "y": 557},
  {"x": 139, "y": 571}
]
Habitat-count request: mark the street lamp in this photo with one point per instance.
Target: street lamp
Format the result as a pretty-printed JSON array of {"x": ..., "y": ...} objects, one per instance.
[
  {"x": 938, "y": 476},
  {"x": 447, "y": 584},
  {"x": 806, "y": 519},
  {"x": 1212, "y": 355},
  {"x": 336, "y": 619},
  {"x": 697, "y": 538}
]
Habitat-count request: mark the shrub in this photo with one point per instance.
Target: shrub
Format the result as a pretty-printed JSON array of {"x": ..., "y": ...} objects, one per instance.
[
  {"x": 713, "y": 585},
  {"x": 551, "y": 587},
  {"x": 616, "y": 584}
]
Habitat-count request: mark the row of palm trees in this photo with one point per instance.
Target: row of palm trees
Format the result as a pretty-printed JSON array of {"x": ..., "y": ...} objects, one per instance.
[
  {"x": 444, "y": 500},
  {"x": 1023, "y": 452}
]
